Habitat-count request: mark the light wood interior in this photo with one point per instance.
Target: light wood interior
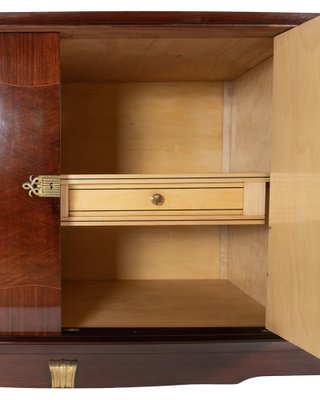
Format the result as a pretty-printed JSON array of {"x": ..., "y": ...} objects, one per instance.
[
  {"x": 166, "y": 106},
  {"x": 251, "y": 122},
  {"x": 155, "y": 252},
  {"x": 161, "y": 59},
  {"x": 142, "y": 128},
  {"x": 162, "y": 303},
  {"x": 293, "y": 301},
  {"x": 250, "y": 151}
]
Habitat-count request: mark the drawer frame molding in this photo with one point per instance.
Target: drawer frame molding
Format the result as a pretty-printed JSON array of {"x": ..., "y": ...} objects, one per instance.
[{"x": 220, "y": 199}]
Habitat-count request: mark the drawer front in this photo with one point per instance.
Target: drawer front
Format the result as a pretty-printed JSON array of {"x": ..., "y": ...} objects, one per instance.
[
  {"x": 156, "y": 199},
  {"x": 100, "y": 364}
]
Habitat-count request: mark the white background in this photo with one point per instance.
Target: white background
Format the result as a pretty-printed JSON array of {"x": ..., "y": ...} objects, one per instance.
[{"x": 305, "y": 387}]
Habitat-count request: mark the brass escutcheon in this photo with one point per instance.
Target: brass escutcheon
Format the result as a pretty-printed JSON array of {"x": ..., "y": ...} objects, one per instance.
[{"x": 43, "y": 186}]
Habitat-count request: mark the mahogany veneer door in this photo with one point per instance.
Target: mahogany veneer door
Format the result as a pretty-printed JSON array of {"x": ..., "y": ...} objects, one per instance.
[
  {"x": 29, "y": 145},
  {"x": 293, "y": 290}
]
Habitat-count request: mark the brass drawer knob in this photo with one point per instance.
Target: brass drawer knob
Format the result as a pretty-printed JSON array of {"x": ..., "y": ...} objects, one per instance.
[{"x": 157, "y": 199}]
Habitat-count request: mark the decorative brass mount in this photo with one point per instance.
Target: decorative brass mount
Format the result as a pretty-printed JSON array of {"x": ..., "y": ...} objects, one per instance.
[
  {"x": 43, "y": 186},
  {"x": 63, "y": 373}
]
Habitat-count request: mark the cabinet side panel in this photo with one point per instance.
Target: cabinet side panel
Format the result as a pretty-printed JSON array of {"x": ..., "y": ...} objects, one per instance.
[
  {"x": 250, "y": 147},
  {"x": 293, "y": 290},
  {"x": 29, "y": 145}
]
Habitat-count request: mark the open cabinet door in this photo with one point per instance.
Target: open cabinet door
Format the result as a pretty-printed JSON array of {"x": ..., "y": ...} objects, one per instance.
[
  {"x": 29, "y": 145},
  {"x": 293, "y": 288}
]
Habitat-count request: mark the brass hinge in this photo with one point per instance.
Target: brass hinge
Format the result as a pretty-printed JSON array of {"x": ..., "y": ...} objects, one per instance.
[
  {"x": 43, "y": 186},
  {"x": 63, "y": 373}
]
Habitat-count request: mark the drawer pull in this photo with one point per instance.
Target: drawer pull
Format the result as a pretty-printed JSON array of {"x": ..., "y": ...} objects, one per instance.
[
  {"x": 63, "y": 373},
  {"x": 157, "y": 199}
]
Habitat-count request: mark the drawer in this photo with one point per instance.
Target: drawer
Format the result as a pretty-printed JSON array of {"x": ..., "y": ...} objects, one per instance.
[
  {"x": 104, "y": 199},
  {"x": 102, "y": 362},
  {"x": 114, "y": 200}
]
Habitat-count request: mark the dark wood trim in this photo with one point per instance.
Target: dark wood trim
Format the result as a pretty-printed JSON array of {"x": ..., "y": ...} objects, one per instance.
[
  {"x": 154, "y": 24},
  {"x": 155, "y": 18},
  {"x": 149, "y": 335},
  {"x": 110, "y": 364},
  {"x": 128, "y": 31}
]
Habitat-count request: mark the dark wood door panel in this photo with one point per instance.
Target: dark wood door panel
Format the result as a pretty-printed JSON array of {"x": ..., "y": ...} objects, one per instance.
[
  {"x": 29, "y": 59},
  {"x": 29, "y": 145}
]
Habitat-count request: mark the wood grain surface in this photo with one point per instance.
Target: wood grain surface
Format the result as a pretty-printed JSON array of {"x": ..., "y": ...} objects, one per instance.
[
  {"x": 155, "y": 18},
  {"x": 103, "y": 362},
  {"x": 158, "y": 303},
  {"x": 250, "y": 150},
  {"x": 140, "y": 252},
  {"x": 142, "y": 128},
  {"x": 190, "y": 59},
  {"x": 154, "y": 24},
  {"x": 293, "y": 287},
  {"x": 110, "y": 362},
  {"x": 29, "y": 145}
]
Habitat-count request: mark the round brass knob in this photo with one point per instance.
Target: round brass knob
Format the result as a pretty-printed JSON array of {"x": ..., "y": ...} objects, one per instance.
[{"x": 157, "y": 199}]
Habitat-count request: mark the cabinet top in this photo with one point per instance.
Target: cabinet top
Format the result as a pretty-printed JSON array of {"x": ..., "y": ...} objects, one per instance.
[
  {"x": 155, "y": 17},
  {"x": 243, "y": 24}
]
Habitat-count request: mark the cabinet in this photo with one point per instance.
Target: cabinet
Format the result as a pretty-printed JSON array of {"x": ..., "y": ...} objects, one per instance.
[{"x": 184, "y": 148}]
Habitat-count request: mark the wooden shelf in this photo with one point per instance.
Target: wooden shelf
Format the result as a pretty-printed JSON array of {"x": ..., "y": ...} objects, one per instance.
[{"x": 158, "y": 303}]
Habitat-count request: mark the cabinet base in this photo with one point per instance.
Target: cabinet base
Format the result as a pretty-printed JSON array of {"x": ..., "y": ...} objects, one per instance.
[{"x": 113, "y": 361}]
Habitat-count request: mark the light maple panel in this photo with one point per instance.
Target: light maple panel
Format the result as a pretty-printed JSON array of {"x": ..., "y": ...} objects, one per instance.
[
  {"x": 161, "y": 59},
  {"x": 142, "y": 128},
  {"x": 162, "y": 303},
  {"x": 293, "y": 300}
]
